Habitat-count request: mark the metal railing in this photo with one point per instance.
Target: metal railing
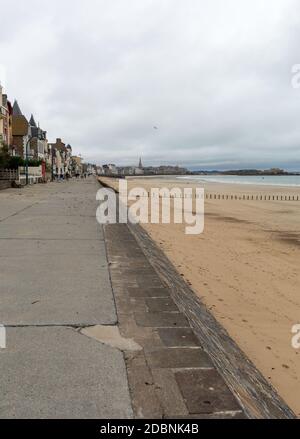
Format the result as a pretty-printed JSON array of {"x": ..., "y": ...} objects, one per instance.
[{"x": 9, "y": 174}]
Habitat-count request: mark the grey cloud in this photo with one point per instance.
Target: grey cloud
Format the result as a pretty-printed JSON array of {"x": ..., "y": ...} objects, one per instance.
[{"x": 213, "y": 76}]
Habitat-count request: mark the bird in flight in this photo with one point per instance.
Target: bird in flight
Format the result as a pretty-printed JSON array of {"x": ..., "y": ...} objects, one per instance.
[{"x": 155, "y": 128}]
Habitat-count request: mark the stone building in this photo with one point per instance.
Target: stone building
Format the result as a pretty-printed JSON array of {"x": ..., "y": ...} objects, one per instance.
[
  {"x": 60, "y": 155},
  {"x": 38, "y": 143},
  {"x": 5, "y": 119},
  {"x": 20, "y": 132},
  {"x": 77, "y": 165}
]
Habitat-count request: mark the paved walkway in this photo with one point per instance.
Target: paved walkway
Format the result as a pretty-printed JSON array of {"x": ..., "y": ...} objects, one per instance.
[{"x": 54, "y": 281}]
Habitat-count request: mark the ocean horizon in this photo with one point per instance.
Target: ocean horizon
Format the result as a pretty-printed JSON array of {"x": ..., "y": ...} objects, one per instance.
[{"x": 267, "y": 180}]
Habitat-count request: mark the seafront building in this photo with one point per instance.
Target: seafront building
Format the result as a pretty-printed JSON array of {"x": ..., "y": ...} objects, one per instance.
[
  {"x": 38, "y": 142},
  {"x": 5, "y": 119},
  {"x": 24, "y": 138},
  {"x": 20, "y": 132},
  {"x": 60, "y": 158},
  {"x": 99, "y": 170},
  {"x": 76, "y": 165},
  {"x": 57, "y": 151}
]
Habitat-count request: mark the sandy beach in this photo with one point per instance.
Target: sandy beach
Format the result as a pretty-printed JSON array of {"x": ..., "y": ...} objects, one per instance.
[{"x": 245, "y": 268}]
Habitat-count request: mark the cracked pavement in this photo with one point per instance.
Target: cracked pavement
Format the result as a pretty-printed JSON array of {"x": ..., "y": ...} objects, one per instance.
[{"x": 54, "y": 280}]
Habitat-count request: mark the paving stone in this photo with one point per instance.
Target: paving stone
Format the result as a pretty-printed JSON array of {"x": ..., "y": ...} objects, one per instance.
[
  {"x": 119, "y": 231},
  {"x": 161, "y": 305},
  {"x": 142, "y": 390},
  {"x": 152, "y": 280},
  {"x": 148, "y": 292},
  {"x": 128, "y": 267},
  {"x": 204, "y": 392},
  {"x": 161, "y": 320},
  {"x": 176, "y": 358},
  {"x": 176, "y": 337},
  {"x": 138, "y": 305},
  {"x": 148, "y": 282},
  {"x": 168, "y": 392},
  {"x": 138, "y": 270},
  {"x": 137, "y": 258}
]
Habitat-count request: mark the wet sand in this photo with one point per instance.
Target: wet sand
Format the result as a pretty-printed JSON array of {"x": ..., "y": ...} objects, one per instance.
[{"x": 245, "y": 268}]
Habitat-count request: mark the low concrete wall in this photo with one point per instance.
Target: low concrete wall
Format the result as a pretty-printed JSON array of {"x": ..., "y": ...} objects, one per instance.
[
  {"x": 31, "y": 179},
  {"x": 35, "y": 175},
  {"x": 5, "y": 184},
  {"x": 34, "y": 171}
]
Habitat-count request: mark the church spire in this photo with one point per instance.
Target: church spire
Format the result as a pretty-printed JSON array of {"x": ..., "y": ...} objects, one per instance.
[{"x": 141, "y": 164}]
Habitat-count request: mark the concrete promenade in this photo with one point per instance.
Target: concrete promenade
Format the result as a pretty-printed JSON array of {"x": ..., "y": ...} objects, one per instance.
[{"x": 54, "y": 281}]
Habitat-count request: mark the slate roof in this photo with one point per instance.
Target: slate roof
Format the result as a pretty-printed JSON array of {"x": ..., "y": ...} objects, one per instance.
[
  {"x": 32, "y": 122},
  {"x": 16, "y": 109}
]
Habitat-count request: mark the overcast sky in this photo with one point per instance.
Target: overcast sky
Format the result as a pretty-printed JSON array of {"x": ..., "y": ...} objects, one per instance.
[{"x": 213, "y": 76}]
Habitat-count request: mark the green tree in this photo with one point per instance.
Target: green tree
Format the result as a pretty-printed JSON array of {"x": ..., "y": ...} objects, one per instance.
[
  {"x": 13, "y": 162},
  {"x": 4, "y": 155}
]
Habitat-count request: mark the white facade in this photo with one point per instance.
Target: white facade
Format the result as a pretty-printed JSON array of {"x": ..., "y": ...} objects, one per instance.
[
  {"x": 139, "y": 171},
  {"x": 113, "y": 169}
]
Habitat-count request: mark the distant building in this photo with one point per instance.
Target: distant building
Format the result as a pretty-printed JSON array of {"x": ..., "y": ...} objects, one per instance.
[
  {"x": 99, "y": 170},
  {"x": 126, "y": 170},
  {"x": 38, "y": 143},
  {"x": 60, "y": 157},
  {"x": 131, "y": 170},
  {"x": 77, "y": 166},
  {"x": 275, "y": 171},
  {"x": 89, "y": 168},
  {"x": 56, "y": 153},
  {"x": 113, "y": 169},
  {"x": 68, "y": 159},
  {"x": 59, "y": 144},
  {"x": 165, "y": 170},
  {"x": 110, "y": 169},
  {"x": 139, "y": 171},
  {"x": 105, "y": 169}
]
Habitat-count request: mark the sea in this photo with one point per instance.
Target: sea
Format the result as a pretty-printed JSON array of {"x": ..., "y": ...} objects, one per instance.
[{"x": 268, "y": 180}]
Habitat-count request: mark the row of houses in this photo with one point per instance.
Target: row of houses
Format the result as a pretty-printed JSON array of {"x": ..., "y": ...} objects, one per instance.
[
  {"x": 26, "y": 139},
  {"x": 113, "y": 170}
]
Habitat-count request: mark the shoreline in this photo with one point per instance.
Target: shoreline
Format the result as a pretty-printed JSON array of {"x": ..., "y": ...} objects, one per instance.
[{"x": 208, "y": 180}]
